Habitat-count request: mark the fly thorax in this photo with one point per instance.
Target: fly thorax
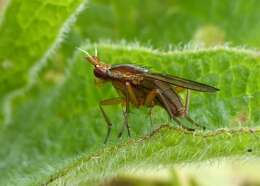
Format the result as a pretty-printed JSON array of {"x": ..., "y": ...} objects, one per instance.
[{"x": 136, "y": 80}]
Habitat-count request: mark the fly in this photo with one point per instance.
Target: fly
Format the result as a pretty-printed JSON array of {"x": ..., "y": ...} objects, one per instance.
[{"x": 140, "y": 87}]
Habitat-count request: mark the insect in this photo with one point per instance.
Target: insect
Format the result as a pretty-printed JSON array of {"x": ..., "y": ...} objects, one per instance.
[{"x": 138, "y": 86}]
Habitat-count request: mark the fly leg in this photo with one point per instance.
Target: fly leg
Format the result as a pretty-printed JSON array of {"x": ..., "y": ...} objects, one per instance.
[
  {"x": 149, "y": 101},
  {"x": 112, "y": 101},
  {"x": 159, "y": 93},
  {"x": 186, "y": 107},
  {"x": 187, "y": 102},
  {"x": 126, "y": 112},
  {"x": 179, "y": 123},
  {"x": 194, "y": 123},
  {"x": 130, "y": 95},
  {"x": 150, "y": 118},
  {"x": 169, "y": 110}
]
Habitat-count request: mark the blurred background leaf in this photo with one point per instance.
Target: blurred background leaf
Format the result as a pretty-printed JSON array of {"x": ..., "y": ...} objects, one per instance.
[
  {"x": 29, "y": 32},
  {"x": 167, "y": 22}
]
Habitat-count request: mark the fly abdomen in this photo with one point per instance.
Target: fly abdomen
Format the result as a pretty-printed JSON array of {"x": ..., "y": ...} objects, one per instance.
[{"x": 174, "y": 105}]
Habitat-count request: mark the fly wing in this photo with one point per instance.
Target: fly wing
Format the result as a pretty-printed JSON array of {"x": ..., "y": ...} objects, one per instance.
[{"x": 181, "y": 82}]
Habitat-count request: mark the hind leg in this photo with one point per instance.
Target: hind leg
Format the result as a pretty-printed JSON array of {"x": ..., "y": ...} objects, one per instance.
[
  {"x": 186, "y": 110},
  {"x": 167, "y": 106}
]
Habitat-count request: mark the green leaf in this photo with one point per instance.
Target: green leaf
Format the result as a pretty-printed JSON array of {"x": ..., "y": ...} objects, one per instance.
[
  {"x": 30, "y": 36},
  {"x": 54, "y": 118},
  {"x": 66, "y": 120},
  {"x": 164, "y": 149}
]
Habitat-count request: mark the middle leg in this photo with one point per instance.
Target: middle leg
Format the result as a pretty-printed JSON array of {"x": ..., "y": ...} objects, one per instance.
[
  {"x": 149, "y": 101},
  {"x": 130, "y": 96}
]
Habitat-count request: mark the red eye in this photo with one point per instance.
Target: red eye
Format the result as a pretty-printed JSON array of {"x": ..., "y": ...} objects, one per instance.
[{"x": 100, "y": 73}]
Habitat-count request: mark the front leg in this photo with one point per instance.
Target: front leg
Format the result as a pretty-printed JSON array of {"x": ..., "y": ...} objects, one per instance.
[{"x": 112, "y": 101}]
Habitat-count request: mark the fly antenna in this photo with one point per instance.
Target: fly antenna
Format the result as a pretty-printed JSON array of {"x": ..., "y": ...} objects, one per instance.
[
  {"x": 92, "y": 59},
  {"x": 85, "y": 52}
]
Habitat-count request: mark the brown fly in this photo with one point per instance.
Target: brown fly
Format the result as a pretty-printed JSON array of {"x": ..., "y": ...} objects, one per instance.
[{"x": 140, "y": 87}]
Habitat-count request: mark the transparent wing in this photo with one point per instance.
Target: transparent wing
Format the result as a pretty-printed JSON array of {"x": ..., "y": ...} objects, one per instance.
[{"x": 181, "y": 82}]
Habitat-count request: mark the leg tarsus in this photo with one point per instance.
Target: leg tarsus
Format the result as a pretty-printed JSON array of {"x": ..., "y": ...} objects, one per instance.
[
  {"x": 109, "y": 124},
  {"x": 123, "y": 127},
  {"x": 121, "y": 132},
  {"x": 183, "y": 126},
  {"x": 128, "y": 131},
  {"x": 194, "y": 123}
]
